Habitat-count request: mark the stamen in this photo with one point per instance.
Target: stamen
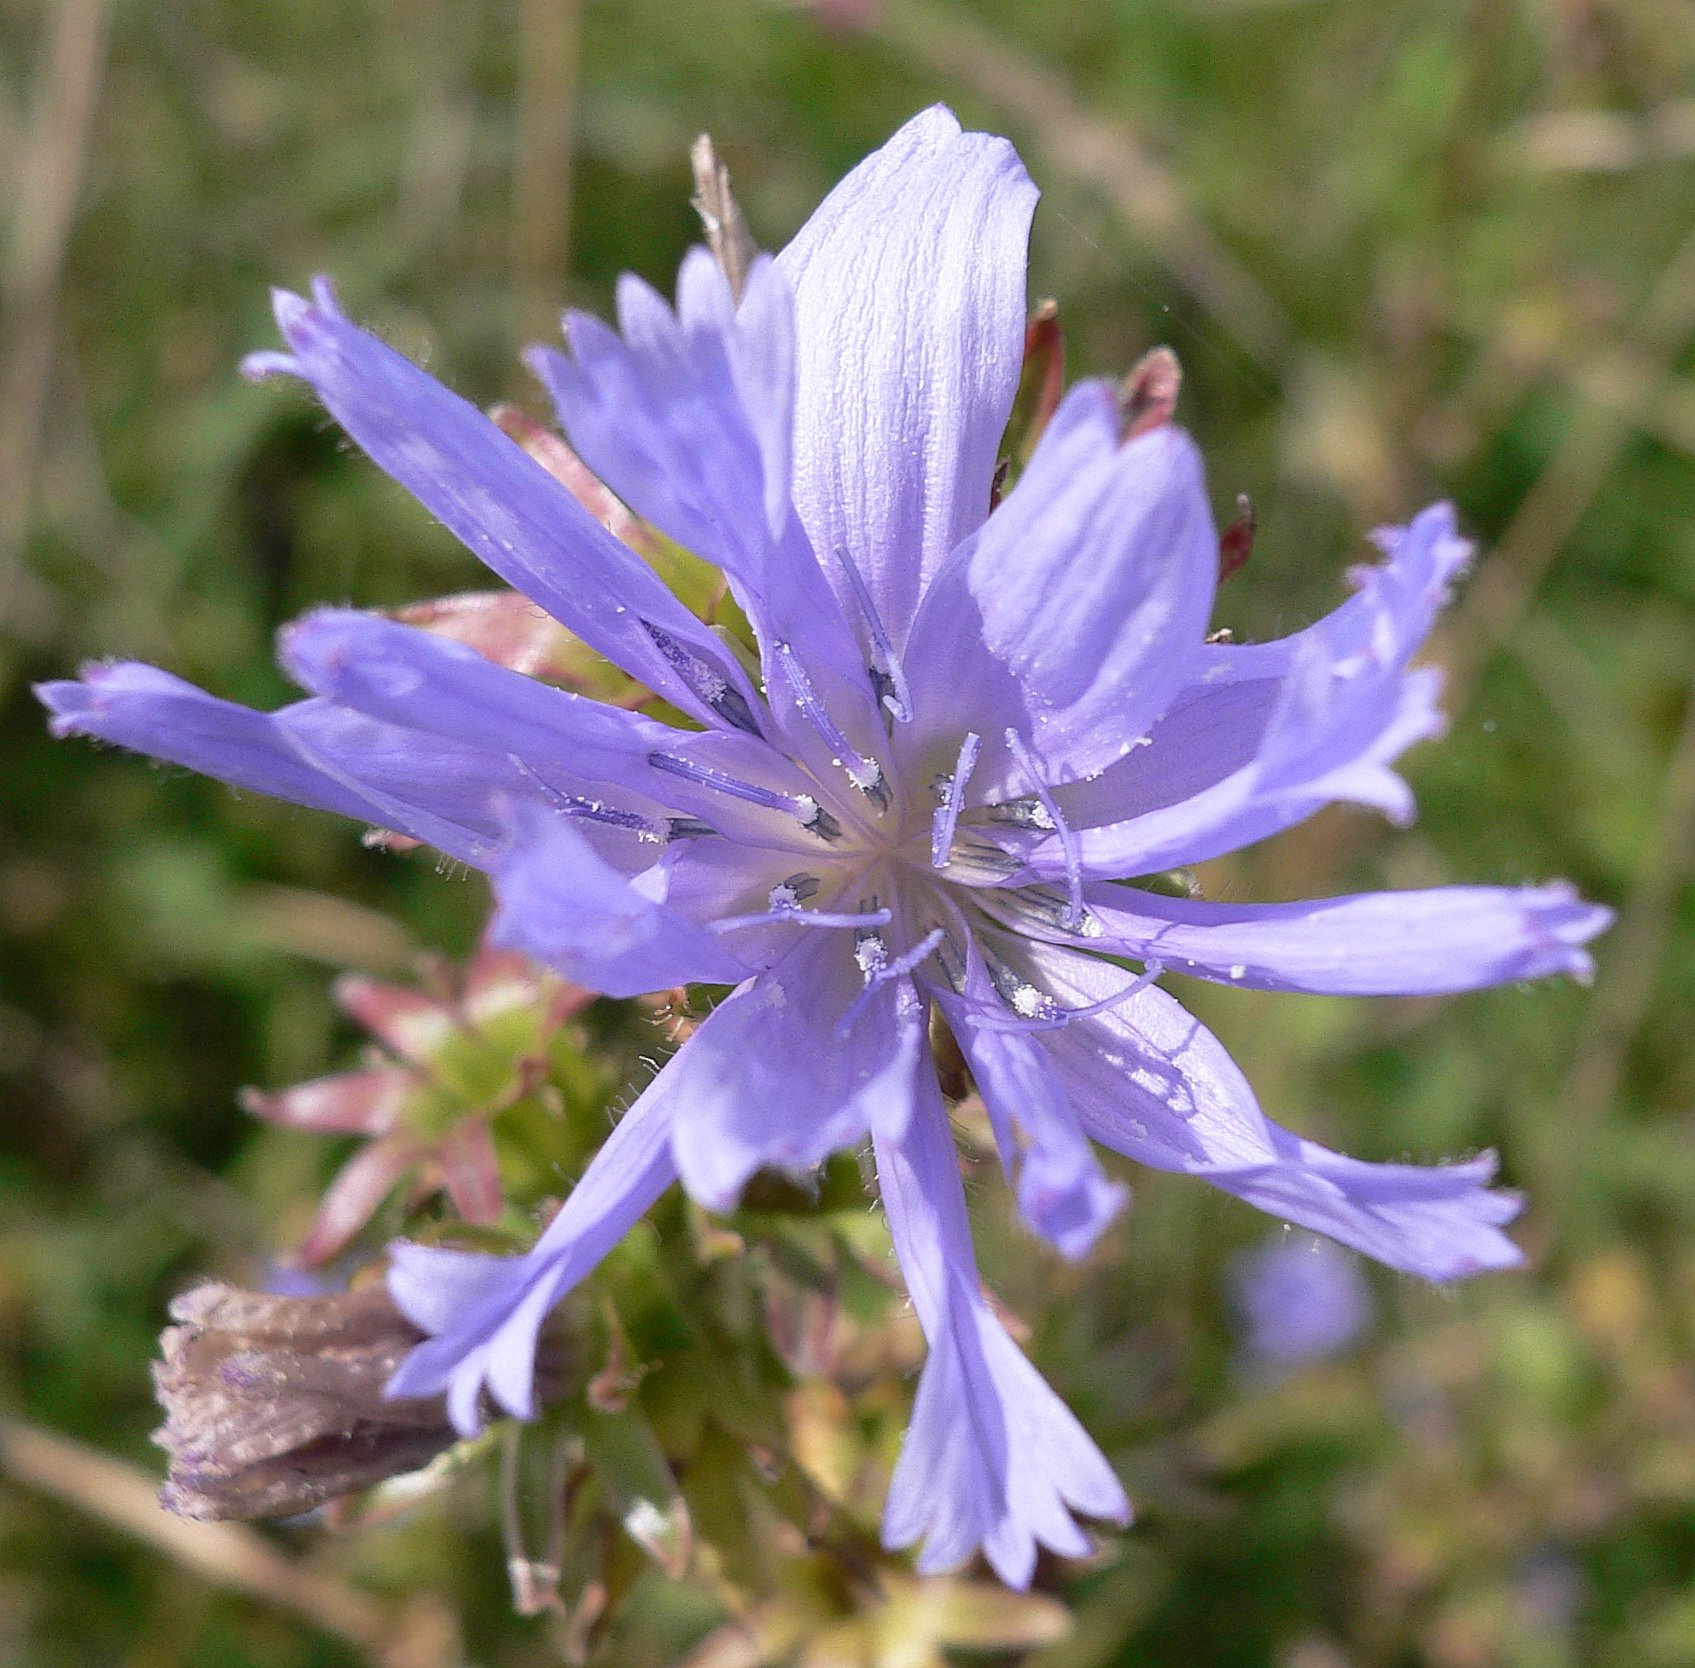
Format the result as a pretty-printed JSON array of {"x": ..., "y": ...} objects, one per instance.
[
  {"x": 801, "y": 806},
  {"x": 1056, "y": 1018},
  {"x": 795, "y": 890},
  {"x": 871, "y": 951},
  {"x": 1044, "y": 908},
  {"x": 705, "y": 680},
  {"x": 1019, "y": 994},
  {"x": 784, "y": 915},
  {"x": 689, "y": 828},
  {"x": 872, "y": 954},
  {"x": 952, "y": 963},
  {"x": 1022, "y": 813},
  {"x": 976, "y": 862},
  {"x": 951, "y": 790},
  {"x": 865, "y": 774},
  {"x": 887, "y": 674},
  {"x": 1067, "y": 840},
  {"x": 597, "y": 810}
]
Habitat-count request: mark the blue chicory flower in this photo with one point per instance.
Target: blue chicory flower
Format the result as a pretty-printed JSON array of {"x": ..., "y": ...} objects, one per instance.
[
  {"x": 966, "y": 728},
  {"x": 1299, "y": 1299}
]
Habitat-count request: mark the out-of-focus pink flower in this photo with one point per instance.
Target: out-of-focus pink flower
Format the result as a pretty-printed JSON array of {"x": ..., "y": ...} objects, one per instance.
[{"x": 449, "y": 1063}]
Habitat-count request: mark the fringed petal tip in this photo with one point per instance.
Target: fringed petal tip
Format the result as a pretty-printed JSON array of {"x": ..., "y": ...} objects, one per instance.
[
  {"x": 1152, "y": 1083},
  {"x": 1445, "y": 1221},
  {"x": 1560, "y": 923},
  {"x": 486, "y": 1312},
  {"x": 995, "y": 1462},
  {"x": 703, "y": 295},
  {"x": 541, "y": 359},
  {"x": 1071, "y": 1210},
  {"x": 268, "y": 362},
  {"x": 292, "y": 309},
  {"x": 1377, "y": 788},
  {"x": 583, "y": 334},
  {"x": 316, "y": 648},
  {"x": 1415, "y": 943},
  {"x": 295, "y": 316},
  {"x": 1371, "y": 780},
  {"x": 433, "y": 1369},
  {"x": 75, "y": 706},
  {"x": 936, "y": 129},
  {"x": 1440, "y": 1222},
  {"x": 69, "y": 703},
  {"x": 1434, "y": 530}
]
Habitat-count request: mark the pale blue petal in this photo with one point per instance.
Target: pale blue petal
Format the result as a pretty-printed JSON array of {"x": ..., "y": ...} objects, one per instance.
[
  {"x": 993, "y": 1460},
  {"x": 563, "y": 747},
  {"x": 1268, "y": 734},
  {"x": 772, "y": 1082},
  {"x": 314, "y": 753},
  {"x": 416, "y": 679},
  {"x": 909, "y": 305},
  {"x": 514, "y": 515},
  {"x": 559, "y": 900},
  {"x": 688, "y": 419},
  {"x": 1150, "y": 1081},
  {"x": 1428, "y": 943},
  {"x": 1062, "y": 1192},
  {"x": 1077, "y": 614},
  {"x": 485, "y": 1312},
  {"x": 661, "y": 417}
]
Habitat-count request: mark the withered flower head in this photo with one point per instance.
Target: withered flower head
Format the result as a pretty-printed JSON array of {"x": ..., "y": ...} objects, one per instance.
[{"x": 274, "y": 1405}]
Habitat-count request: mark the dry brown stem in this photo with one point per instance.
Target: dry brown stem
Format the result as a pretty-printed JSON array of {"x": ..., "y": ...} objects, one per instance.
[
  {"x": 726, "y": 231},
  {"x": 47, "y": 182},
  {"x": 227, "y": 1555},
  {"x": 550, "y": 53}
]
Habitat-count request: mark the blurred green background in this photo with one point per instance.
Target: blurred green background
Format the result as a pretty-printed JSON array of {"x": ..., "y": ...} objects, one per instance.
[{"x": 1404, "y": 249}]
